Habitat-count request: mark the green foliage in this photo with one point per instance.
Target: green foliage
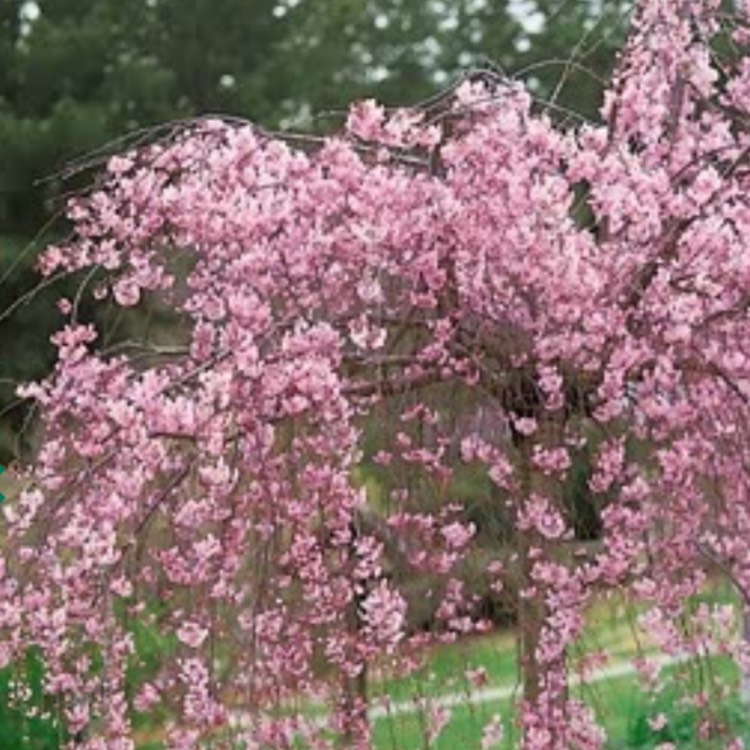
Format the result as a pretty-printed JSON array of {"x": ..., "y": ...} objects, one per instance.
[
  {"x": 152, "y": 647},
  {"x": 29, "y": 725},
  {"x": 682, "y": 721}
]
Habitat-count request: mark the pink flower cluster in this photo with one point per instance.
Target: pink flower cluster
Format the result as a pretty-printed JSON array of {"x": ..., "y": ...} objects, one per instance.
[{"x": 367, "y": 323}]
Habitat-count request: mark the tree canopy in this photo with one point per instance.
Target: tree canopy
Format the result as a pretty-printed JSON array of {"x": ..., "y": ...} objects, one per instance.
[
  {"x": 212, "y": 488},
  {"x": 77, "y": 75}
]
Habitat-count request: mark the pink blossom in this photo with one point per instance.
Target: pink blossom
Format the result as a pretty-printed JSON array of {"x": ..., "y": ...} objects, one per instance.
[
  {"x": 458, "y": 535},
  {"x": 127, "y": 292},
  {"x": 492, "y": 733},
  {"x": 192, "y": 634},
  {"x": 380, "y": 336},
  {"x": 658, "y": 722},
  {"x": 366, "y": 120}
]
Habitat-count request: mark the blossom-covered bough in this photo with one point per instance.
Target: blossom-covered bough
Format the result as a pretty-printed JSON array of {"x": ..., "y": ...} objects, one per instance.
[{"x": 508, "y": 293}]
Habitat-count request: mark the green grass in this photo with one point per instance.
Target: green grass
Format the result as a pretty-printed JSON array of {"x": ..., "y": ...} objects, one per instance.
[
  {"x": 610, "y": 628},
  {"x": 618, "y": 702},
  {"x": 464, "y": 730},
  {"x": 20, "y": 728}
]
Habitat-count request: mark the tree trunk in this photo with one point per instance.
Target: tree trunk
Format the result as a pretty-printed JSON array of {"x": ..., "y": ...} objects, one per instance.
[
  {"x": 354, "y": 689},
  {"x": 745, "y": 678},
  {"x": 531, "y": 609},
  {"x": 356, "y": 729},
  {"x": 533, "y": 547}
]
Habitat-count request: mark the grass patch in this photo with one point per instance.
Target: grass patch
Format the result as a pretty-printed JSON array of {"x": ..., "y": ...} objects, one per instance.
[{"x": 626, "y": 713}]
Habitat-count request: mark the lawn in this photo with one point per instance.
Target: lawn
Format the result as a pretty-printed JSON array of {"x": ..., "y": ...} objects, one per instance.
[
  {"x": 617, "y": 700},
  {"x": 614, "y": 696}
]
